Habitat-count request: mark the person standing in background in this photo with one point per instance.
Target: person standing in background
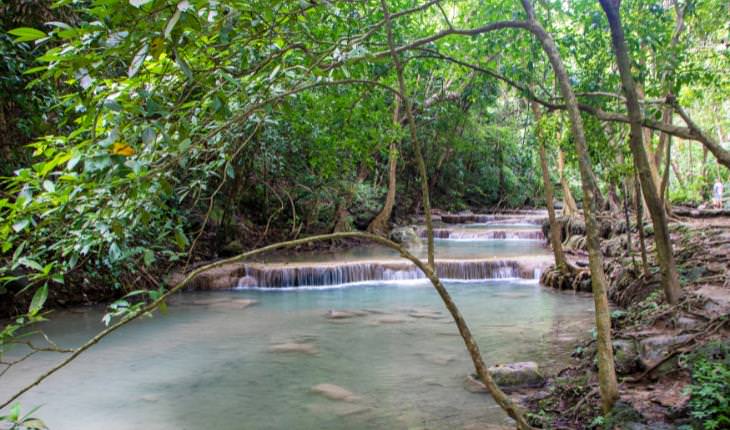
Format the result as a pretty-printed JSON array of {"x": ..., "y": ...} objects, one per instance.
[{"x": 717, "y": 191}]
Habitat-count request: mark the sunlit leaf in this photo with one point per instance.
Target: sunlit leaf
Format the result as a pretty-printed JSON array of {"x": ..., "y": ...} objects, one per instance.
[
  {"x": 120, "y": 148},
  {"x": 39, "y": 299},
  {"x": 27, "y": 34}
]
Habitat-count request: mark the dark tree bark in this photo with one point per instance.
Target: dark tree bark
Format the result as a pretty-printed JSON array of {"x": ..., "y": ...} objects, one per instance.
[
  {"x": 606, "y": 370},
  {"x": 665, "y": 257}
]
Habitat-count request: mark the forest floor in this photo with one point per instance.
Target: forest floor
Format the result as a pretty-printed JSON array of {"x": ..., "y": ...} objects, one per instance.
[{"x": 672, "y": 361}]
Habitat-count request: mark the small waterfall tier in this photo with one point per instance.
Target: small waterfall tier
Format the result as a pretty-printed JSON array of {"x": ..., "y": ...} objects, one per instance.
[
  {"x": 328, "y": 274},
  {"x": 533, "y": 219},
  {"x": 477, "y": 234}
]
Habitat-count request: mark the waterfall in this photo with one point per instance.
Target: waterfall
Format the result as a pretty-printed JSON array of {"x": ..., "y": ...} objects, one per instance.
[
  {"x": 531, "y": 219},
  {"x": 313, "y": 274},
  {"x": 445, "y": 233}
]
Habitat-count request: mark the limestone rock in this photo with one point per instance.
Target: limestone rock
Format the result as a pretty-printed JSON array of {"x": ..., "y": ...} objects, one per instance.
[
  {"x": 521, "y": 374},
  {"x": 333, "y": 314},
  {"x": 295, "y": 347},
  {"x": 407, "y": 236},
  {"x": 334, "y": 392},
  {"x": 653, "y": 349},
  {"x": 626, "y": 356},
  {"x": 509, "y": 376}
]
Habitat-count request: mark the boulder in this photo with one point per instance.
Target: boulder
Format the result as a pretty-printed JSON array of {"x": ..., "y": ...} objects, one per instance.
[
  {"x": 509, "y": 376},
  {"x": 654, "y": 349},
  {"x": 233, "y": 247},
  {"x": 406, "y": 236},
  {"x": 521, "y": 374},
  {"x": 626, "y": 356}
]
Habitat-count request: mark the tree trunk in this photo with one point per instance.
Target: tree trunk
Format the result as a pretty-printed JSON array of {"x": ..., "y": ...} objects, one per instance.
[
  {"x": 639, "y": 208},
  {"x": 569, "y": 205},
  {"x": 379, "y": 224},
  {"x": 560, "y": 261},
  {"x": 670, "y": 277},
  {"x": 629, "y": 248},
  {"x": 606, "y": 371},
  {"x": 502, "y": 399}
]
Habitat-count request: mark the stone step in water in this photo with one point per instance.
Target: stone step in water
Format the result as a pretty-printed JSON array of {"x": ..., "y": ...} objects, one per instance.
[
  {"x": 484, "y": 234},
  {"x": 536, "y": 219}
]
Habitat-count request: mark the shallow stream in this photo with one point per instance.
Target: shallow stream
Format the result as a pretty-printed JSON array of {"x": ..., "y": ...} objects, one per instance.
[{"x": 214, "y": 362}]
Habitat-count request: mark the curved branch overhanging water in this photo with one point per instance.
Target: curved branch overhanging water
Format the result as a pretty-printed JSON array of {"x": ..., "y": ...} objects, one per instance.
[{"x": 464, "y": 330}]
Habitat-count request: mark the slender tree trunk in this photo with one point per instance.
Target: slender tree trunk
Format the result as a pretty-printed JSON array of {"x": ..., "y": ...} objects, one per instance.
[
  {"x": 665, "y": 177},
  {"x": 414, "y": 135},
  {"x": 560, "y": 261},
  {"x": 502, "y": 399},
  {"x": 677, "y": 173},
  {"x": 629, "y": 248},
  {"x": 379, "y": 224},
  {"x": 665, "y": 257},
  {"x": 606, "y": 371},
  {"x": 639, "y": 208},
  {"x": 569, "y": 205}
]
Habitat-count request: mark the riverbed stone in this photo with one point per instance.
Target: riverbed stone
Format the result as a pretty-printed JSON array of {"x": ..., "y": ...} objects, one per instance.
[
  {"x": 509, "y": 376},
  {"x": 394, "y": 319},
  {"x": 334, "y": 392},
  {"x": 521, "y": 374},
  {"x": 295, "y": 347},
  {"x": 406, "y": 236},
  {"x": 334, "y": 314}
]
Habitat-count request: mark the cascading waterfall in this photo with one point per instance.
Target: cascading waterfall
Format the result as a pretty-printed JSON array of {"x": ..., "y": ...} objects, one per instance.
[
  {"x": 532, "y": 219},
  {"x": 310, "y": 275},
  {"x": 445, "y": 233}
]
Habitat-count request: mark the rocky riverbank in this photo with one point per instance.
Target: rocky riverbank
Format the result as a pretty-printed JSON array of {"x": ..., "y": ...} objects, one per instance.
[{"x": 673, "y": 362}]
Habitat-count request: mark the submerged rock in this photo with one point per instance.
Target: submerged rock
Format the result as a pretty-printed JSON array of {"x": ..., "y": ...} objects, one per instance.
[
  {"x": 334, "y": 392},
  {"x": 333, "y": 314},
  {"x": 392, "y": 320},
  {"x": 295, "y": 347},
  {"x": 225, "y": 303}
]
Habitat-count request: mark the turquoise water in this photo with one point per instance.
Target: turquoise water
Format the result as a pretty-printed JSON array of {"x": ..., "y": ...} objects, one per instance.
[
  {"x": 447, "y": 249},
  {"x": 209, "y": 362}
]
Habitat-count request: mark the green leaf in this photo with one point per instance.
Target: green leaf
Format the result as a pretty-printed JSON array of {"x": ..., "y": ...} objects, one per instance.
[
  {"x": 139, "y": 3},
  {"x": 21, "y": 225},
  {"x": 31, "y": 264},
  {"x": 149, "y": 257},
  {"x": 180, "y": 239},
  {"x": 49, "y": 186},
  {"x": 171, "y": 23},
  {"x": 27, "y": 34},
  {"x": 39, "y": 298},
  {"x": 137, "y": 61}
]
